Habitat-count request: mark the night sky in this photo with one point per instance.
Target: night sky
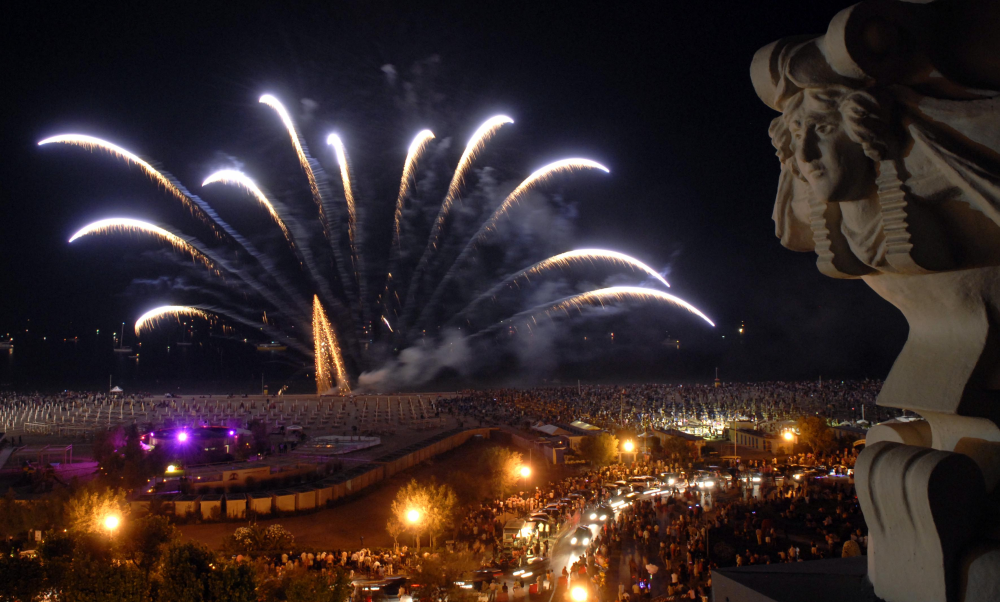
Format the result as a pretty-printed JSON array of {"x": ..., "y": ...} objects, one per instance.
[{"x": 659, "y": 92}]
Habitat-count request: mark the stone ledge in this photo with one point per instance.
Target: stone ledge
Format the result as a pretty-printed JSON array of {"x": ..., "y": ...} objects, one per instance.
[{"x": 834, "y": 580}]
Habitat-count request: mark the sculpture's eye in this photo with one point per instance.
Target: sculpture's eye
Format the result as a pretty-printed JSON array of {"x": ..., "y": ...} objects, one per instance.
[{"x": 825, "y": 129}]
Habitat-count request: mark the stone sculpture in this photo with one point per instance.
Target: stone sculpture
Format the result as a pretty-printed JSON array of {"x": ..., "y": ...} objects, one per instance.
[{"x": 889, "y": 143}]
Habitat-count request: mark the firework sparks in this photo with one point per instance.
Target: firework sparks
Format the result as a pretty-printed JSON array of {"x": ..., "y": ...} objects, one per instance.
[
  {"x": 412, "y": 156},
  {"x": 131, "y": 226},
  {"x": 154, "y": 316},
  {"x": 300, "y": 150},
  {"x": 354, "y": 324},
  {"x": 345, "y": 177},
  {"x": 329, "y": 361},
  {"x": 564, "y": 261},
  {"x": 238, "y": 178},
  {"x": 90, "y": 143},
  {"x": 540, "y": 175},
  {"x": 597, "y": 298},
  {"x": 479, "y": 139},
  {"x": 619, "y": 294}
]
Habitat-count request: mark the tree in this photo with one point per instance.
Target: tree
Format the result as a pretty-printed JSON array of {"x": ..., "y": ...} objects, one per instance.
[
  {"x": 394, "y": 528},
  {"x": 503, "y": 469},
  {"x": 412, "y": 500},
  {"x": 87, "y": 510},
  {"x": 98, "y": 579},
  {"x": 434, "y": 505},
  {"x": 185, "y": 571},
  {"x": 122, "y": 461},
  {"x": 233, "y": 583},
  {"x": 144, "y": 540},
  {"x": 301, "y": 585},
  {"x": 257, "y": 539},
  {"x": 12, "y": 516},
  {"x": 816, "y": 433},
  {"x": 21, "y": 579},
  {"x": 442, "y": 512},
  {"x": 439, "y": 573},
  {"x": 600, "y": 449},
  {"x": 261, "y": 441},
  {"x": 678, "y": 446}
]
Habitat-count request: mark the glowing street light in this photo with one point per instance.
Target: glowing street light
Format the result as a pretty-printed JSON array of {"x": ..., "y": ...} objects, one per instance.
[
  {"x": 171, "y": 468},
  {"x": 413, "y": 516},
  {"x": 578, "y": 594},
  {"x": 789, "y": 436},
  {"x": 111, "y": 522},
  {"x": 182, "y": 436},
  {"x": 628, "y": 446},
  {"x": 526, "y": 471}
]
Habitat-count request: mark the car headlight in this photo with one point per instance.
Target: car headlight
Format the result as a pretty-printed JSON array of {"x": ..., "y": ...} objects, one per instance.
[
  {"x": 756, "y": 479},
  {"x": 710, "y": 484},
  {"x": 573, "y": 541},
  {"x": 798, "y": 476},
  {"x": 671, "y": 481},
  {"x": 604, "y": 517},
  {"x": 593, "y": 516},
  {"x": 586, "y": 540}
]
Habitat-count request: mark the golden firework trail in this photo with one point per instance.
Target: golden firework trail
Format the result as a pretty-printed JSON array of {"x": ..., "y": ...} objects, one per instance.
[
  {"x": 300, "y": 151},
  {"x": 479, "y": 138},
  {"x": 330, "y": 368},
  {"x": 134, "y": 226},
  {"x": 597, "y": 298},
  {"x": 564, "y": 261},
  {"x": 387, "y": 325},
  {"x": 91, "y": 143},
  {"x": 154, "y": 316},
  {"x": 604, "y": 296},
  {"x": 539, "y": 176},
  {"x": 417, "y": 148},
  {"x": 345, "y": 177},
  {"x": 238, "y": 178}
]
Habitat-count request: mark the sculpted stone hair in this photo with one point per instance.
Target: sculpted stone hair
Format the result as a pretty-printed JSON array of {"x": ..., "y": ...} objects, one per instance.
[{"x": 860, "y": 113}]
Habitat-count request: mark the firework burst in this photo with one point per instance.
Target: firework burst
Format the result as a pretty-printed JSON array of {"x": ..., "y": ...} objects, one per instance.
[
  {"x": 154, "y": 316},
  {"x": 341, "y": 340}
]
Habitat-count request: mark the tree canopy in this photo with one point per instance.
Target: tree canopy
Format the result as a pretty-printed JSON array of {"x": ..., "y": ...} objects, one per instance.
[
  {"x": 600, "y": 449},
  {"x": 815, "y": 433}
]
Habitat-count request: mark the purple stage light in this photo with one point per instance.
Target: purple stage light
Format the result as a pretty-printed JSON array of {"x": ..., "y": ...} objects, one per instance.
[
  {"x": 182, "y": 436},
  {"x": 231, "y": 433}
]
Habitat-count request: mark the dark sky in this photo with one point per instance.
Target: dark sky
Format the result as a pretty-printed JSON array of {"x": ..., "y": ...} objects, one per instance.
[{"x": 657, "y": 91}]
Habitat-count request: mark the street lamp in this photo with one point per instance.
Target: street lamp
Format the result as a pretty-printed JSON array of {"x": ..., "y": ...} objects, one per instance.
[
  {"x": 789, "y": 436},
  {"x": 629, "y": 447},
  {"x": 578, "y": 594},
  {"x": 111, "y": 522},
  {"x": 525, "y": 473},
  {"x": 413, "y": 516}
]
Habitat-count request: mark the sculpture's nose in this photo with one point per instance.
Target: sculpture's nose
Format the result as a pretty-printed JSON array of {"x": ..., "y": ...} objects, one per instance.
[{"x": 808, "y": 147}]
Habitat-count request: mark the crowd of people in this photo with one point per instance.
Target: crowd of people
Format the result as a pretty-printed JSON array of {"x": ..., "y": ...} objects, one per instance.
[
  {"x": 668, "y": 545},
  {"x": 616, "y": 407}
]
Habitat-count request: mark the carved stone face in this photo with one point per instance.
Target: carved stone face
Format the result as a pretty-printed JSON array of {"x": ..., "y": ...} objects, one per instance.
[{"x": 835, "y": 166}]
